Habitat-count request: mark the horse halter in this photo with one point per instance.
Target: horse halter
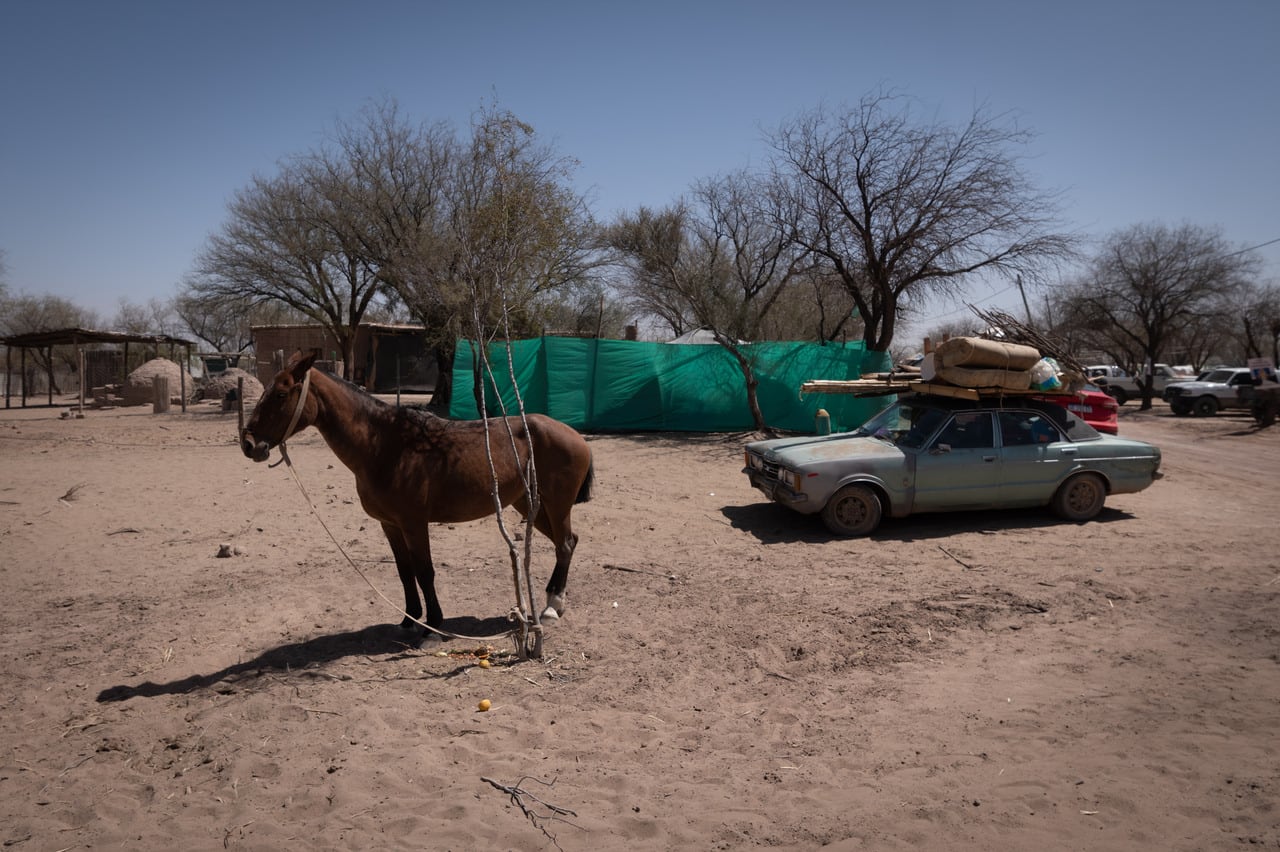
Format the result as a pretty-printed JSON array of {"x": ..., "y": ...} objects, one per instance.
[{"x": 297, "y": 415}]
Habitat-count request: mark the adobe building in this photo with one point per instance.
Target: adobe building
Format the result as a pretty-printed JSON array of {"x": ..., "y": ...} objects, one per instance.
[{"x": 388, "y": 357}]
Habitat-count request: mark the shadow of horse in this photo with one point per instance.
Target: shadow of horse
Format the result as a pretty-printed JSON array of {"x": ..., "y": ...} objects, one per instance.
[
  {"x": 774, "y": 524},
  {"x": 375, "y": 640}
]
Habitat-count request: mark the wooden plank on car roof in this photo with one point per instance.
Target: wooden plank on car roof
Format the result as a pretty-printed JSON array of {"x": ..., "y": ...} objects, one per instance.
[
  {"x": 863, "y": 387},
  {"x": 945, "y": 390}
]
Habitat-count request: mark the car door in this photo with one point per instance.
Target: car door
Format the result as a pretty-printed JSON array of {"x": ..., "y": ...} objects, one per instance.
[
  {"x": 1035, "y": 458},
  {"x": 960, "y": 467}
]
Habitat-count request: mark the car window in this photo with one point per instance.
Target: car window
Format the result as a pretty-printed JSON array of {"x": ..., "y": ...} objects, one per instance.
[
  {"x": 967, "y": 430},
  {"x": 1024, "y": 428},
  {"x": 906, "y": 424},
  {"x": 1222, "y": 376},
  {"x": 923, "y": 424}
]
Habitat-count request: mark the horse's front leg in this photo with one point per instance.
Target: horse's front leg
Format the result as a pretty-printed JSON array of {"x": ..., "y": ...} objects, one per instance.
[
  {"x": 418, "y": 543},
  {"x": 408, "y": 578}
]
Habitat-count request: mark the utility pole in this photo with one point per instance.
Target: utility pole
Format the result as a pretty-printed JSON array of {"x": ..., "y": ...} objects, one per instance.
[{"x": 1026, "y": 306}]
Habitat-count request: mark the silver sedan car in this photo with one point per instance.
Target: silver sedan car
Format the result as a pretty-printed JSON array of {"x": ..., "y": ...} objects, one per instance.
[{"x": 930, "y": 453}]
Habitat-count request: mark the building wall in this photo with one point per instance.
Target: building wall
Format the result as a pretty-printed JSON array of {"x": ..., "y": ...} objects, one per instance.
[{"x": 372, "y": 368}]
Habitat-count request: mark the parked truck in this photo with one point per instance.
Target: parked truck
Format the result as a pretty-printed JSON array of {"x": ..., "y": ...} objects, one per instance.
[
  {"x": 1122, "y": 387},
  {"x": 1217, "y": 389}
]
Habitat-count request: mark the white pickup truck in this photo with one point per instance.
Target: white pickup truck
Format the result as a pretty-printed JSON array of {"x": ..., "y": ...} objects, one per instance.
[
  {"x": 1215, "y": 390},
  {"x": 1123, "y": 387}
]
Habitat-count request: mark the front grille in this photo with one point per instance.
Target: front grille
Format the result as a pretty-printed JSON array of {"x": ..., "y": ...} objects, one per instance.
[{"x": 764, "y": 468}]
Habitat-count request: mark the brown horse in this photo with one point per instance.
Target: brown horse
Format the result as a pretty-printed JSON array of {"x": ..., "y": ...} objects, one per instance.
[{"x": 413, "y": 468}]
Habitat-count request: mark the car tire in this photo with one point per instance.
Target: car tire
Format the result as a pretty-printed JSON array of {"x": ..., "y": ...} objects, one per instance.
[
  {"x": 1181, "y": 409},
  {"x": 1118, "y": 395},
  {"x": 854, "y": 510},
  {"x": 1205, "y": 406},
  {"x": 1080, "y": 498}
]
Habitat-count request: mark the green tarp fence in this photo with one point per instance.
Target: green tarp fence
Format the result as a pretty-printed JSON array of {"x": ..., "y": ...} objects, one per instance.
[{"x": 630, "y": 386}]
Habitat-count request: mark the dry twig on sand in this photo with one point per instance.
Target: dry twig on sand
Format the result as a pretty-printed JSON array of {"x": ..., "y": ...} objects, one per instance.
[
  {"x": 956, "y": 558},
  {"x": 518, "y": 795}
]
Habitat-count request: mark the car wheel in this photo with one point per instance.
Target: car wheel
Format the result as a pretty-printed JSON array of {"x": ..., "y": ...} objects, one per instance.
[
  {"x": 1180, "y": 408},
  {"x": 1118, "y": 395},
  {"x": 1080, "y": 498},
  {"x": 1206, "y": 406},
  {"x": 853, "y": 510}
]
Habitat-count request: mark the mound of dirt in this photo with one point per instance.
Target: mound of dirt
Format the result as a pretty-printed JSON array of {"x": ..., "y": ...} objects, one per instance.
[
  {"x": 221, "y": 387},
  {"x": 137, "y": 390}
]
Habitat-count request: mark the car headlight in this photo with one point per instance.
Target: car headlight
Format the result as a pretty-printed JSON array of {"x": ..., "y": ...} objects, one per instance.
[{"x": 789, "y": 478}]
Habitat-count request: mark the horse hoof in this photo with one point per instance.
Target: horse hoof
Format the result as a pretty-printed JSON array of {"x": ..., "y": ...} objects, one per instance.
[
  {"x": 549, "y": 616},
  {"x": 431, "y": 642}
]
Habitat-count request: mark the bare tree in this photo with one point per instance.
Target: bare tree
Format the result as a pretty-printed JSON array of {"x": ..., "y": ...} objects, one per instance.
[
  {"x": 1151, "y": 286},
  {"x": 902, "y": 211},
  {"x": 155, "y": 316},
  {"x": 519, "y": 228},
  {"x": 388, "y": 179},
  {"x": 226, "y": 324},
  {"x": 817, "y": 308},
  {"x": 285, "y": 242},
  {"x": 25, "y": 314},
  {"x": 1259, "y": 322},
  {"x": 436, "y": 216},
  {"x": 589, "y": 309},
  {"x": 720, "y": 262},
  {"x": 653, "y": 248}
]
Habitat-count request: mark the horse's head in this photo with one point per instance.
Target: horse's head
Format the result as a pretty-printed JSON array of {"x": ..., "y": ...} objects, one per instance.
[{"x": 285, "y": 409}]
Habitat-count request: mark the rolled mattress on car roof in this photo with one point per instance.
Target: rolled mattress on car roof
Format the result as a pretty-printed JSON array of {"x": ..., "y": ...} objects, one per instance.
[
  {"x": 985, "y": 377},
  {"x": 979, "y": 353}
]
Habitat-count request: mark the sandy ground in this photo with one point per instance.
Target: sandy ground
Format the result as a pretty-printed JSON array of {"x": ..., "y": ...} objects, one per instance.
[{"x": 727, "y": 676}]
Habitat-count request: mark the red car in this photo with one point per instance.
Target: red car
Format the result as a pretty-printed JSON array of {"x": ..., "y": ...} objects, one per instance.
[{"x": 1091, "y": 405}]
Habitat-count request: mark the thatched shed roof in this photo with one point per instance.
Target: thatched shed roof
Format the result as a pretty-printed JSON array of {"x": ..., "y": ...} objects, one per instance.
[{"x": 76, "y": 336}]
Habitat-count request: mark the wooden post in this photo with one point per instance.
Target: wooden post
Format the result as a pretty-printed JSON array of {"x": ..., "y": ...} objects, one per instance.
[
  {"x": 160, "y": 395},
  {"x": 49, "y": 353},
  {"x": 240, "y": 406},
  {"x": 80, "y": 356}
]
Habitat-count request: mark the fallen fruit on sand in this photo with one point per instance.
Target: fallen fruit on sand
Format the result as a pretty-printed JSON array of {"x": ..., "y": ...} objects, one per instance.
[
  {"x": 484, "y": 664},
  {"x": 483, "y": 705}
]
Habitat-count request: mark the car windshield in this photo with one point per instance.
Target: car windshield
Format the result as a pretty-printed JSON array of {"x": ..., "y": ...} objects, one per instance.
[
  {"x": 1223, "y": 376},
  {"x": 905, "y": 424}
]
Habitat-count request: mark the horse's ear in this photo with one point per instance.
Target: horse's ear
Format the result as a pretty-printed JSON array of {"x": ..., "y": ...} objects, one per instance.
[{"x": 299, "y": 364}]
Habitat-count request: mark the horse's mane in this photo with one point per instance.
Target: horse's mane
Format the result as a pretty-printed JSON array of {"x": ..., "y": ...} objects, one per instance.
[{"x": 377, "y": 409}]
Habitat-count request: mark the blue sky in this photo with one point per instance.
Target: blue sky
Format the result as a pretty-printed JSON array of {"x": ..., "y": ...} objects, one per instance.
[{"x": 127, "y": 126}]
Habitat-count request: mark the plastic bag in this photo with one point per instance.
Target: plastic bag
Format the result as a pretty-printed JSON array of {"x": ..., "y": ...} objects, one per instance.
[{"x": 1046, "y": 375}]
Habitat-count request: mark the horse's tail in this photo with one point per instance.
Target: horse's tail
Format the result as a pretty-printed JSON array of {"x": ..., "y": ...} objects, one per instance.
[{"x": 584, "y": 493}]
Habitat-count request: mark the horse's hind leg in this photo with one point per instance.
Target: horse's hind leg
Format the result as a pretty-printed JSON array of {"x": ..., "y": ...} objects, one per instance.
[{"x": 565, "y": 541}]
